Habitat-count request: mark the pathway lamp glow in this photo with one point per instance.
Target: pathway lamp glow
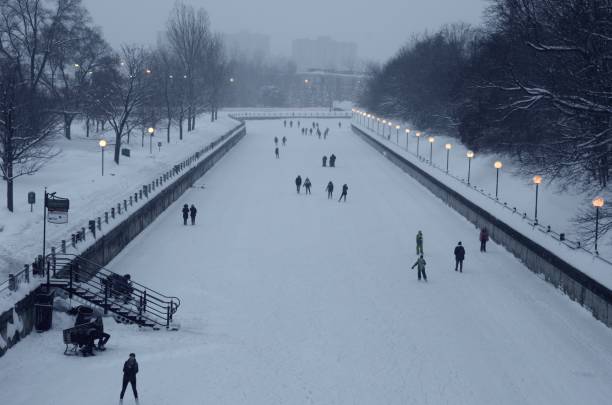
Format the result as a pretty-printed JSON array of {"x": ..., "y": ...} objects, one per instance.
[
  {"x": 598, "y": 202},
  {"x": 431, "y": 141},
  {"x": 407, "y": 137},
  {"x": 103, "y": 144},
  {"x": 418, "y": 136},
  {"x": 397, "y": 128},
  {"x": 470, "y": 156},
  {"x": 537, "y": 180},
  {"x": 498, "y": 165},
  {"x": 151, "y": 131},
  {"x": 448, "y": 147}
]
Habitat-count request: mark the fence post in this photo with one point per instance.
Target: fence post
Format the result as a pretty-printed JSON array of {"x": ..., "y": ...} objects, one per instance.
[
  {"x": 124, "y": 205},
  {"x": 106, "y": 217},
  {"x": 168, "y": 312},
  {"x": 105, "y": 298},
  {"x": 99, "y": 223},
  {"x": 63, "y": 248},
  {"x": 83, "y": 234},
  {"x": 118, "y": 208},
  {"x": 26, "y": 271},
  {"x": 12, "y": 282},
  {"x": 54, "y": 259},
  {"x": 113, "y": 212}
]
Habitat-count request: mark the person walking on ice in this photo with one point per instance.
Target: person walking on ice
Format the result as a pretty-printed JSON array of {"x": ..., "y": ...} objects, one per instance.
[
  {"x": 284, "y": 140},
  {"x": 276, "y": 140},
  {"x": 185, "y": 214},
  {"x": 298, "y": 183},
  {"x": 130, "y": 369},
  {"x": 307, "y": 185},
  {"x": 276, "y": 152},
  {"x": 330, "y": 190},
  {"x": 420, "y": 263},
  {"x": 484, "y": 238},
  {"x": 459, "y": 256},
  {"x": 324, "y": 161},
  {"x": 192, "y": 213},
  {"x": 419, "y": 243},
  {"x": 344, "y": 192}
]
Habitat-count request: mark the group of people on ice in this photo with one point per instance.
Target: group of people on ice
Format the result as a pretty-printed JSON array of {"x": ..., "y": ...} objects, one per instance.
[
  {"x": 189, "y": 212},
  {"x": 329, "y": 188},
  {"x": 459, "y": 253},
  {"x": 332, "y": 161}
]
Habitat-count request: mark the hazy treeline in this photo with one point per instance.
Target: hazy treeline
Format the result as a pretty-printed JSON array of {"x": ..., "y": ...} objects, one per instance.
[{"x": 56, "y": 66}]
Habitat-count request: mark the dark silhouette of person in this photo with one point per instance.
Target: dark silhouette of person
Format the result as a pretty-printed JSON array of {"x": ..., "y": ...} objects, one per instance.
[
  {"x": 459, "y": 257},
  {"x": 276, "y": 152},
  {"x": 298, "y": 183},
  {"x": 285, "y": 123},
  {"x": 185, "y": 214},
  {"x": 420, "y": 263},
  {"x": 324, "y": 161},
  {"x": 330, "y": 190},
  {"x": 307, "y": 185},
  {"x": 284, "y": 140},
  {"x": 339, "y": 124},
  {"x": 484, "y": 238},
  {"x": 299, "y": 124},
  {"x": 310, "y": 131},
  {"x": 291, "y": 124},
  {"x": 332, "y": 160},
  {"x": 130, "y": 369},
  {"x": 192, "y": 213},
  {"x": 344, "y": 192},
  {"x": 275, "y": 140}
]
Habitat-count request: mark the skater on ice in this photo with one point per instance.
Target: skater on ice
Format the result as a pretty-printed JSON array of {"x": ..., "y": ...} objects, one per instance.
[
  {"x": 419, "y": 243},
  {"x": 420, "y": 264},
  {"x": 459, "y": 257},
  {"x": 298, "y": 183},
  {"x": 307, "y": 185},
  {"x": 284, "y": 140},
  {"x": 484, "y": 238},
  {"x": 332, "y": 160},
  {"x": 185, "y": 213},
  {"x": 276, "y": 152},
  {"x": 324, "y": 161},
  {"x": 130, "y": 369},
  {"x": 344, "y": 192},
  {"x": 275, "y": 140},
  {"x": 330, "y": 190},
  {"x": 192, "y": 213}
]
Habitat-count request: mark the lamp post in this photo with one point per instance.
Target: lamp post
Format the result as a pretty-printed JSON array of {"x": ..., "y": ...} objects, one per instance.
[
  {"x": 470, "y": 156},
  {"x": 397, "y": 128},
  {"x": 377, "y": 126},
  {"x": 390, "y": 127},
  {"x": 448, "y": 147},
  {"x": 431, "y": 140},
  {"x": 498, "y": 165},
  {"x": 384, "y": 123},
  {"x": 537, "y": 180},
  {"x": 407, "y": 137},
  {"x": 598, "y": 202},
  {"x": 102, "y": 144},
  {"x": 418, "y": 136},
  {"x": 151, "y": 131}
]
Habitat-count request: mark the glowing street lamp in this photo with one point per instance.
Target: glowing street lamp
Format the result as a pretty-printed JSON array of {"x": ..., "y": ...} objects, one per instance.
[
  {"x": 537, "y": 180},
  {"x": 418, "y": 136},
  {"x": 384, "y": 122},
  {"x": 407, "y": 137},
  {"x": 103, "y": 145},
  {"x": 151, "y": 131},
  {"x": 448, "y": 147},
  {"x": 377, "y": 126},
  {"x": 598, "y": 202},
  {"x": 397, "y": 128},
  {"x": 498, "y": 165},
  {"x": 431, "y": 140},
  {"x": 470, "y": 156}
]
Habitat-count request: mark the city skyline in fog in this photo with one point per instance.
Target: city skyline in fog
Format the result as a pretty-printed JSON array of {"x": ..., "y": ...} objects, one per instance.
[{"x": 379, "y": 29}]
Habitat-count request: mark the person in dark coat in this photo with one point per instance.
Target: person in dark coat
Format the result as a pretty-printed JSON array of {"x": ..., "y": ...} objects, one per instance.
[
  {"x": 310, "y": 131},
  {"x": 192, "y": 213},
  {"x": 344, "y": 192},
  {"x": 307, "y": 185},
  {"x": 291, "y": 124},
  {"x": 298, "y": 183},
  {"x": 284, "y": 140},
  {"x": 324, "y": 161},
  {"x": 100, "y": 334},
  {"x": 484, "y": 238},
  {"x": 299, "y": 124},
  {"x": 330, "y": 190},
  {"x": 420, "y": 263},
  {"x": 419, "y": 243},
  {"x": 459, "y": 256},
  {"x": 276, "y": 152},
  {"x": 339, "y": 124},
  {"x": 285, "y": 123},
  {"x": 332, "y": 160},
  {"x": 275, "y": 140},
  {"x": 185, "y": 214},
  {"x": 130, "y": 369}
]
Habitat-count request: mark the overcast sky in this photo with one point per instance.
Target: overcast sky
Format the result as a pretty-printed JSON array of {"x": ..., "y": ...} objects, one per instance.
[{"x": 379, "y": 27}]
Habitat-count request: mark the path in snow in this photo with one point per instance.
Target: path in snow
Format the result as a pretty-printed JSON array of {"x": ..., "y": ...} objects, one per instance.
[{"x": 294, "y": 299}]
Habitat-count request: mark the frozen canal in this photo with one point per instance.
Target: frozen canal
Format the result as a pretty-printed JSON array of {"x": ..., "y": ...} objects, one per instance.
[{"x": 294, "y": 299}]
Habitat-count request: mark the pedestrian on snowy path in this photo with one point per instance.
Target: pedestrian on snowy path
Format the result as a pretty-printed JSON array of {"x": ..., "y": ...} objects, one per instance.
[
  {"x": 298, "y": 183},
  {"x": 185, "y": 214},
  {"x": 307, "y": 185},
  {"x": 459, "y": 256},
  {"x": 276, "y": 152},
  {"x": 299, "y": 124},
  {"x": 284, "y": 140},
  {"x": 324, "y": 161},
  {"x": 420, "y": 263},
  {"x": 285, "y": 123},
  {"x": 276, "y": 140},
  {"x": 130, "y": 369},
  {"x": 484, "y": 238},
  {"x": 291, "y": 124},
  {"x": 344, "y": 192},
  {"x": 339, "y": 124},
  {"x": 330, "y": 190},
  {"x": 332, "y": 160},
  {"x": 192, "y": 213},
  {"x": 419, "y": 243},
  {"x": 310, "y": 131}
]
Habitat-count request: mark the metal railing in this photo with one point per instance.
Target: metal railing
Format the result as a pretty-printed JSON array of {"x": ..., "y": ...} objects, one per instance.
[
  {"x": 545, "y": 229},
  {"x": 259, "y": 115}
]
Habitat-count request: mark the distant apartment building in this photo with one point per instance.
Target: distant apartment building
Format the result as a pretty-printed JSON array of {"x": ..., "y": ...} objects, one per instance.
[
  {"x": 247, "y": 44},
  {"x": 324, "y": 53}
]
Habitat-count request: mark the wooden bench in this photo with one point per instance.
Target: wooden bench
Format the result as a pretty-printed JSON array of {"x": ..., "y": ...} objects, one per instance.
[{"x": 73, "y": 338}]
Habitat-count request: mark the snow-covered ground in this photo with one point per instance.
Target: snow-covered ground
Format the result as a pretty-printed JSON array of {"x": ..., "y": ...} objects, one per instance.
[
  {"x": 76, "y": 174},
  {"x": 294, "y": 299}
]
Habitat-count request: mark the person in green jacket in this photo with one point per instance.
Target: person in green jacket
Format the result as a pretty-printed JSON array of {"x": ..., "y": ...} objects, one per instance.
[
  {"x": 420, "y": 263},
  {"x": 419, "y": 243}
]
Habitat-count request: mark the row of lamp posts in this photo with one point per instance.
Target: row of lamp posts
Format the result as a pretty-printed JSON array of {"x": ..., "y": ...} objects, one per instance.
[
  {"x": 537, "y": 180},
  {"x": 103, "y": 144}
]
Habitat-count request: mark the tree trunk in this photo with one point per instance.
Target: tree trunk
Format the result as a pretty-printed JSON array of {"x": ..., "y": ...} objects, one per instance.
[
  {"x": 168, "y": 131},
  {"x": 9, "y": 186},
  {"x": 67, "y": 125},
  {"x": 181, "y": 127},
  {"x": 189, "y": 119},
  {"x": 87, "y": 127},
  {"x": 117, "y": 147},
  {"x": 193, "y": 118}
]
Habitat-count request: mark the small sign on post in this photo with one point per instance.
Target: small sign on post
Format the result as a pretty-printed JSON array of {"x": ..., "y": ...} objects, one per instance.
[{"x": 31, "y": 199}]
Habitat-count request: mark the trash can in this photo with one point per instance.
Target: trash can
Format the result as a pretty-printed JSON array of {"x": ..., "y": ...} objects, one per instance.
[{"x": 43, "y": 308}]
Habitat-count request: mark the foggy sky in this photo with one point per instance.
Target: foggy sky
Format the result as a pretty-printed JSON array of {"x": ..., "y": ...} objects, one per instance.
[{"x": 378, "y": 27}]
